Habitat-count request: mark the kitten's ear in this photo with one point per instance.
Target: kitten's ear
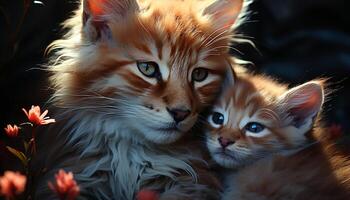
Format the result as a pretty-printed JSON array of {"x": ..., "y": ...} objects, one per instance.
[
  {"x": 303, "y": 102},
  {"x": 224, "y": 12},
  {"x": 97, "y": 14},
  {"x": 230, "y": 75},
  {"x": 229, "y": 79}
]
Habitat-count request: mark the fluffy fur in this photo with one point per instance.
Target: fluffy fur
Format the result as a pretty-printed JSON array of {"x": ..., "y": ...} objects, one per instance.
[
  {"x": 116, "y": 128},
  {"x": 285, "y": 116},
  {"x": 320, "y": 171},
  {"x": 292, "y": 157}
]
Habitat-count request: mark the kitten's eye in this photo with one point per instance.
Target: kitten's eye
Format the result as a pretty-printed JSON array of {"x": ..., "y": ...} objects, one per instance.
[
  {"x": 254, "y": 127},
  {"x": 199, "y": 74},
  {"x": 149, "y": 69},
  {"x": 217, "y": 118}
]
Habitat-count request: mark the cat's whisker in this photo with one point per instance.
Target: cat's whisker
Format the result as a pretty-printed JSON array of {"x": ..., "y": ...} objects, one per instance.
[
  {"x": 237, "y": 35},
  {"x": 216, "y": 38},
  {"x": 210, "y": 35},
  {"x": 225, "y": 47},
  {"x": 237, "y": 50},
  {"x": 219, "y": 39}
]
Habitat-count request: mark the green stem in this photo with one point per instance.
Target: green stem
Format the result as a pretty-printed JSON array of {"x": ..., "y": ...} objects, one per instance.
[
  {"x": 34, "y": 143},
  {"x": 26, "y": 123}
]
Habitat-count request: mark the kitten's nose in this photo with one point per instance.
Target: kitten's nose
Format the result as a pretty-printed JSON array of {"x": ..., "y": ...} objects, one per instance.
[
  {"x": 179, "y": 114},
  {"x": 224, "y": 142}
]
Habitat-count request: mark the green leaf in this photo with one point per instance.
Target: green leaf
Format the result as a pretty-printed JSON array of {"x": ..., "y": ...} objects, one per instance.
[{"x": 20, "y": 155}]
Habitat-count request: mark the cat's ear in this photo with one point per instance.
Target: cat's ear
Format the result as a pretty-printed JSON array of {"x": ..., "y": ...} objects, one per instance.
[
  {"x": 97, "y": 15},
  {"x": 224, "y": 12},
  {"x": 303, "y": 102}
]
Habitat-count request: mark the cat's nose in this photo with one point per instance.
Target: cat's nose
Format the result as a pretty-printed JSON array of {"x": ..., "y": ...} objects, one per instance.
[
  {"x": 224, "y": 142},
  {"x": 179, "y": 114}
]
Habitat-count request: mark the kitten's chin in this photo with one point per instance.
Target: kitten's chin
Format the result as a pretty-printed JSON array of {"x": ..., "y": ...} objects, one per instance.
[{"x": 227, "y": 160}]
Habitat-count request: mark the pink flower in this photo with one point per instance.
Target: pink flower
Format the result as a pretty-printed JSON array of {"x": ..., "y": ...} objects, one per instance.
[
  {"x": 147, "y": 195},
  {"x": 12, "y": 183},
  {"x": 12, "y": 131},
  {"x": 66, "y": 187},
  {"x": 36, "y": 117}
]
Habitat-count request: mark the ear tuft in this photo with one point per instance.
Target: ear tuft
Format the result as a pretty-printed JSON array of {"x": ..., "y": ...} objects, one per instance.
[
  {"x": 224, "y": 12},
  {"x": 303, "y": 102},
  {"x": 94, "y": 25},
  {"x": 98, "y": 14},
  {"x": 96, "y": 7}
]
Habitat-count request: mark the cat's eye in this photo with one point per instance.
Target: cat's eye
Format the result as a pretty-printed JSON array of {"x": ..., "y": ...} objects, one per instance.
[
  {"x": 149, "y": 69},
  {"x": 199, "y": 74},
  {"x": 254, "y": 127},
  {"x": 217, "y": 118}
]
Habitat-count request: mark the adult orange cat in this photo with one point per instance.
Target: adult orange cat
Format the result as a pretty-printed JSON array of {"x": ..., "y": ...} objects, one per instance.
[
  {"x": 130, "y": 79},
  {"x": 272, "y": 140}
]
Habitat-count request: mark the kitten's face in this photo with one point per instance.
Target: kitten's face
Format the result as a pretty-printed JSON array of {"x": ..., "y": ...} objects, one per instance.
[
  {"x": 152, "y": 70},
  {"x": 248, "y": 123}
]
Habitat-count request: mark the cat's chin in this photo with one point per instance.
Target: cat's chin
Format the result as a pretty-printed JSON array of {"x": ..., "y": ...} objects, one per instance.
[{"x": 162, "y": 136}]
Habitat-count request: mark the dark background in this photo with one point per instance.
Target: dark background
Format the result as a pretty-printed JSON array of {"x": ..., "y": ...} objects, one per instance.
[{"x": 297, "y": 40}]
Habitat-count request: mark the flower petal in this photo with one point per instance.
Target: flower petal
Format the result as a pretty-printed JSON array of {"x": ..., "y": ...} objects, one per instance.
[{"x": 24, "y": 110}]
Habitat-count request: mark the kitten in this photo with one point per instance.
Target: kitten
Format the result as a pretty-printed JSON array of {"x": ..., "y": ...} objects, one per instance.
[
  {"x": 257, "y": 118},
  {"x": 130, "y": 79}
]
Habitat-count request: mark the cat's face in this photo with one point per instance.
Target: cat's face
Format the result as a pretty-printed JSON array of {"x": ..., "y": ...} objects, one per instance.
[
  {"x": 249, "y": 122},
  {"x": 152, "y": 66}
]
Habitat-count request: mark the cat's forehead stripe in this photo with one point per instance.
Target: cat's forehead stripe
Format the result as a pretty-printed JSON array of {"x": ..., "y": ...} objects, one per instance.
[
  {"x": 143, "y": 47},
  {"x": 159, "y": 46},
  {"x": 88, "y": 77}
]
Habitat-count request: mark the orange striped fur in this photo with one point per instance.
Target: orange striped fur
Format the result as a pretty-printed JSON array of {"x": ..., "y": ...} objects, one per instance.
[
  {"x": 254, "y": 102},
  {"x": 256, "y": 99},
  {"x": 130, "y": 79},
  {"x": 294, "y": 157},
  {"x": 105, "y": 64},
  {"x": 318, "y": 172}
]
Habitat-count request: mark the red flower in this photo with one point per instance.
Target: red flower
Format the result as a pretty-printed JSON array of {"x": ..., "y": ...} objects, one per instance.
[
  {"x": 36, "y": 117},
  {"x": 66, "y": 187},
  {"x": 12, "y": 183},
  {"x": 12, "y": 131},
  {"x": 147, "y": 195}
]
